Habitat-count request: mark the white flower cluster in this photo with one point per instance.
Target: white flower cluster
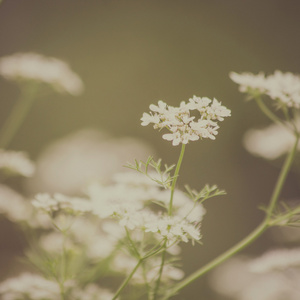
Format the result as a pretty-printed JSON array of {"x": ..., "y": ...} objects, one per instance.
[
  {"x": 273, "y": 276},
  {"x": 58, "y": 202},
  {"x": 182, "y": 125},
  {"x": 279, "y": 259},
  {"x": 33, "y": 66},
  {"x": 282, "y": 87},
  {"x": 132, "y": 206},
  {"x": 35, "y": 287},
  {"x": 16, "y": 162},
  {"x": 270, "y": 142},
  {"x": 29, "y": 286}
]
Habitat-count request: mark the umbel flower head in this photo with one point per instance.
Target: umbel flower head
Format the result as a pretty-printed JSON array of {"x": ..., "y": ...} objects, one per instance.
[
  {"x": 281, "y": 87},
  {"x": 184, "y": 127},
  {"x": 36, "y": 67}
]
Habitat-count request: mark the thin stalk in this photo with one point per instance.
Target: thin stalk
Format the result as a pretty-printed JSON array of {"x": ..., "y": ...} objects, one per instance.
[
  {"x": 125, "y": 282},
  {"x": 282, "y": 177},
  {"x": 176, "y": 173},
  {"x": 269, "y": 113},
  {"x": 175, "y": 178},
  {"x": 163, "y": 256},
  {"x": 251, "y": 237},
  {"x": 17, "y": 116}
]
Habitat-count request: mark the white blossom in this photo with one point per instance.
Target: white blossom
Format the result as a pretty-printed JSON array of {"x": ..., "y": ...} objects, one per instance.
[
  {"x": 70, "y": 163},
  {"x": 29, "y": 286},
  {"x": 270, "y": 142},
  {"x": 279, "y": 259},
  {"x": 16, "y": 162},
  {"x": 13, "y": 205},
  {"x": 58, "y": 201},
  {"x": 181, "y": 124},
  {"x": 236, "y": 280},
  {"x": 91, "y": 292},
  {"x": 33, "y": 66},
  {"x": 173, "y": 228},
  {"x": 282, "y": 87}
]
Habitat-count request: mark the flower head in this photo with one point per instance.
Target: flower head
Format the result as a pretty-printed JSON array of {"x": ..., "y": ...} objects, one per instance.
[
  {"x": 181, "y": 124},
  {"x": 58, "y": 202},
  {"x": 16, "y": 162},
  {"x": 281, "y": 87},
  {"x": 33, "y": 66}
]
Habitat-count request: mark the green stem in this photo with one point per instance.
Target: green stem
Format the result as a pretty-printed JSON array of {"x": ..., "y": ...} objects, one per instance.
[
  {"x": 17, "y": 116},
  {"x": 175, "y": 178},
  {"x": 163, "y": 256},
  {"x": 251, "y": 237},
  {"x": 176, "y": 173},
  {"x": 269, "y": 113},
  {"x": 125, "y": 282},
  {"x": 281, "y": 179}
]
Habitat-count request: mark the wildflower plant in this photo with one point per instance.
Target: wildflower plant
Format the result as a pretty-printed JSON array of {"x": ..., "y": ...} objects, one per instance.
[{"x": 128, "y": 229}]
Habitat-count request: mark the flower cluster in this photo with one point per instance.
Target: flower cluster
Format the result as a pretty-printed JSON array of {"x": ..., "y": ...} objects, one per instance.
[
  {"x": 273, "y": 276},
  {"x": 33, "y": 66},
  {"x": 137, "y": 208},
  {"x": 270, "y": 142},
  {"x": 34, "y": 287},
  {"x": 182, "y": 125},
  {"x": 282, "y": 87},
  {"x": 16, "y": 162},
  {"x": 58, "y": 202},
  {"x": 29, "y": 286}
]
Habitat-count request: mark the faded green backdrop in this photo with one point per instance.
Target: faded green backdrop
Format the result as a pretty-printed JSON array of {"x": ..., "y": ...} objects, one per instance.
[{"x": 133, "y": 53}]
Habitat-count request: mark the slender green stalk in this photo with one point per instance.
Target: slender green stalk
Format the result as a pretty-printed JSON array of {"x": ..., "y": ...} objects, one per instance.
[
  {"x": 176, "y": 173},
  {"x": 175, "y": 178},
  {"x": 163, "y": 256},
  {"x": 251, "y": 237},
  {"x": 125, "y": 282},
  {"x": 282, "y": 177},
  {"x": 17, "y": 116},
  {"x": 269, "y": 113}
]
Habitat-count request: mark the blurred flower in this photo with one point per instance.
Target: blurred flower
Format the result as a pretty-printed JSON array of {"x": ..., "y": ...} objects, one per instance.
[
  {"x": 70, "y": 163},
  {"x": 279, "y": 259},
  {"x": 91, "y": 292},
  {"x": 181, "y": 124},
  {"x": 282, "y": 87},
  {"x": 130, "y": 205},
  {"x": 173, "y": 228},
  {"x": 16, "y": 163},
  {"x": 270, "y": 142},
  {"x": 33, "y": 66},
  {"x": 29, "y": 286},
  {"x": 58, "y": 202},
  {"x": 236, "y": 278},
  {"x": 13, "y": 205}
]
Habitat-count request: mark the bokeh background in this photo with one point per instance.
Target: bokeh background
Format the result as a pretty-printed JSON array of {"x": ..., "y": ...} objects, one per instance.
[{"x": 133, "y": 53}]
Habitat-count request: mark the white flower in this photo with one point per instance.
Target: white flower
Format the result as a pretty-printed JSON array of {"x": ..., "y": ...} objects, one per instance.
[
  {"x": 33, "y": 66},
  {"x": 70, "y": 163},
  {"x": 91, "y": 292},
  {"x": 16, "y": 162},
  {"x": 13, "y": 205},
  {"x": 57, "y": 202},
  {"x": 282, "y": 87},
  {"x": 270, "y": 142},
  {"x": 249, "y": 82},
  {"x": 173, "y": 228},
  {"x": 181, "y": 124},
  {"x": 279, "y": 259},
  {"x": 235, "y": 279},
  {"x": 29, "y": 286}
]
